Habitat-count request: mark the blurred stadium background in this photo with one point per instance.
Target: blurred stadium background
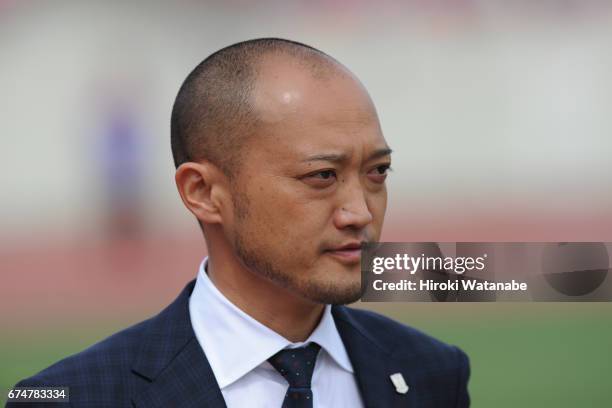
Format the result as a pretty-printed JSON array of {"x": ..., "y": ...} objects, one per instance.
[{"x": 500, "y": 114}]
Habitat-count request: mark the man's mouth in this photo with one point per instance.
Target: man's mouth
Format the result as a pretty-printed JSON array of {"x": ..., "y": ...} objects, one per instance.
[{"x": 348, "y": 253}]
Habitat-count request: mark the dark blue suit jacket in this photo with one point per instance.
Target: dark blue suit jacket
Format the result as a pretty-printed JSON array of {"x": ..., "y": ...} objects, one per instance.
[{"x": 159, "y": 363}]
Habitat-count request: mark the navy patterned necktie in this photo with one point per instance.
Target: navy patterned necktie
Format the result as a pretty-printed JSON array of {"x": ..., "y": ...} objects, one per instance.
[{"x": 297, "y": 366}]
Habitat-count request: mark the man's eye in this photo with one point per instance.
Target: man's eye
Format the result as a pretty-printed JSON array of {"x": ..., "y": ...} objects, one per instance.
[
  {"x": 379, "y": 173},
  {"x": 325, "y": 174},
  {"x": 383, "y": 169},
  {"x": 321, "y": 179}
]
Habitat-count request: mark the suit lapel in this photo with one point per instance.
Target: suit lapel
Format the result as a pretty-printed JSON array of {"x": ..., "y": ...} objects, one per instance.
[
  {"x": 372, "y": 362},
  {"x": 173, "y": 363},
  {"x": 178, "y": 374}
]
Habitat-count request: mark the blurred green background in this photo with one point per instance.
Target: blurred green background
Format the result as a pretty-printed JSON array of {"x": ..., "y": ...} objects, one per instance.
[{"x": 522, "y": 355}]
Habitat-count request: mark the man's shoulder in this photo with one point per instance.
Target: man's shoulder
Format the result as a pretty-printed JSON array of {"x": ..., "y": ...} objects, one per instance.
[
  {"x": 105, "y": 359},
  {"x": 148, "y": 343},
  {"x": 426, "y": 362},
  {"x": 397, "y": 338},
  {"x": 113, "y": 370}
]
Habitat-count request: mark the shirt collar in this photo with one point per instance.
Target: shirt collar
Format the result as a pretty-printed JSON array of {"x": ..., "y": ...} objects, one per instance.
[{"x": 235, "y": 343}]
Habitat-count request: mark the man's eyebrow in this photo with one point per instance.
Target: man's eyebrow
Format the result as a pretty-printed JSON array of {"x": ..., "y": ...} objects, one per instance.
[
  {"x": 380, "y": 153},
  {"x": 331, "y": 157},
  {"x": 341, "y": 157}
]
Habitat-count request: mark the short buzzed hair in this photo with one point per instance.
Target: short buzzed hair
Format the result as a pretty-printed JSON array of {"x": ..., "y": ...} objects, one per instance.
[{"x": 213, "y": 111}]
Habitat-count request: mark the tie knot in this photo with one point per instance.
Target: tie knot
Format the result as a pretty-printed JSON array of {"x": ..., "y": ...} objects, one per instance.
[{"x": 297, "y": 364}]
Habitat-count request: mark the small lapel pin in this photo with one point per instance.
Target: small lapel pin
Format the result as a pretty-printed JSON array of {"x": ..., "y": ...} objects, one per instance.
[{"x": 400, "y": 384}]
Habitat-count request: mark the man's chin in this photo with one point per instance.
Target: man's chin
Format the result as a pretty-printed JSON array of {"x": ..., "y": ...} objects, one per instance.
[
  {"x": 340, "y": 296},
  {"x": 337, "y": 285}
]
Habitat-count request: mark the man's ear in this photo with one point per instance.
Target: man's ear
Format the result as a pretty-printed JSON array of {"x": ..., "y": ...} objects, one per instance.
[{"x": 201, "y": 187}]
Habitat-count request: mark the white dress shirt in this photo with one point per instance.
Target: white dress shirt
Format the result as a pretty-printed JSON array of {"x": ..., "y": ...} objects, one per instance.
[{"x": 238, "y": 347}]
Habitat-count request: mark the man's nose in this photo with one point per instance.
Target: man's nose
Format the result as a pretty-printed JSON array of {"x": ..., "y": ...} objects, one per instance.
[{"x": 353, "y": 211}]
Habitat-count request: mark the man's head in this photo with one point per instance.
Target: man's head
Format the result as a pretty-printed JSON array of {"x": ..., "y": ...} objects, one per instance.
[{"x": 281, "y": 158}]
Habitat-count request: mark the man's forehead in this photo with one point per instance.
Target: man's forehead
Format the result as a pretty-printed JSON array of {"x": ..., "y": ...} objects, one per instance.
[
  {"x": 303, "y": 115},
  {"x": 348, "y": 134},
  {"x": 284, "y": 90}
]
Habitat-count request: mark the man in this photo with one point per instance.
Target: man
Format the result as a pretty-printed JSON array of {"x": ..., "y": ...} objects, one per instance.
[{"x": 281, "y": 159}]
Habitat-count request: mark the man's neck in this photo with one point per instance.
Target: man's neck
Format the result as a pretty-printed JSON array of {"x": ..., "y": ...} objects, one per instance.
[{"x": 273, "y": 306}]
